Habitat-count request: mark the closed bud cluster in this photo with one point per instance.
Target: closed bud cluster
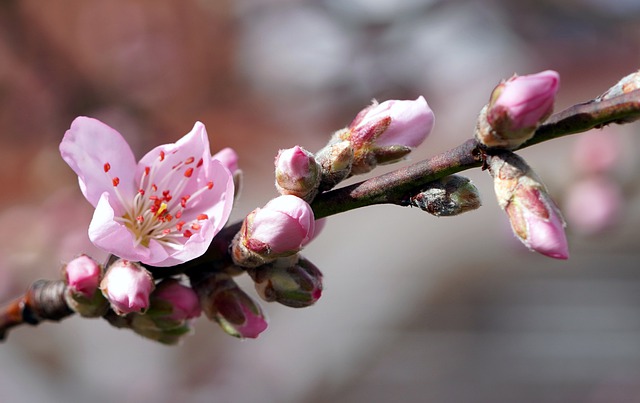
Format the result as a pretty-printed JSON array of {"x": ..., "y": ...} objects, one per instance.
[
  {"x": 296, "y": 283},
  {"x": 448, "y": 196},
  {"x": 297, "y": 173},
  {"x": 535, "y": 219},
  {"x": 82, "y": 276},
  {"x": 236, "y": 313},
  {"x": 281, "y": 228},
  {"x": 127, "y": 286},
  {"x": 516, "y": 108},
  {"x": 172, "y": 307}
]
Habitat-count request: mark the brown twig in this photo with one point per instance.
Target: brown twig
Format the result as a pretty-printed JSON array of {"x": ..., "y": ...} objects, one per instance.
[{"x": 44, "y": 300}]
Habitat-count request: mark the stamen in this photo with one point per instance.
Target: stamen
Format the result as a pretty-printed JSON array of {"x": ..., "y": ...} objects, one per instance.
[
  {"x": 107, "y": 167},
  {"x": 115, "y": 181},
  {"x": 188, "y": 172},
  {"x": 189, "y": 160},
  {"x": 202, "y": 217}
]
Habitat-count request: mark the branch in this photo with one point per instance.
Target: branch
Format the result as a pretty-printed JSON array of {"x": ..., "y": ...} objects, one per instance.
[{"x": 395, "y": 187}]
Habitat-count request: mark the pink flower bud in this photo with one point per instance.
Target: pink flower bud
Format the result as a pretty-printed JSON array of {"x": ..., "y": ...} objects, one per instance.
[
  {"x": 236, "y": 313},
  {"x": 281, "y": 228},
  {"x": 298, "y": 285},
  {"x": 386, "y": 132},
  {"x": 535, "y": 219},
  {"x": 406, "y": 123},
  {"x": 182, "y": 300},
  {"x": 127, "y": 286},
  {"x": 593, "y": 205},
  {"x": 83, "y": 275},
  {"x": 297, "y": 173},
  {"x": 516, "y": 107},
  {"x": 229, "y": 159}
]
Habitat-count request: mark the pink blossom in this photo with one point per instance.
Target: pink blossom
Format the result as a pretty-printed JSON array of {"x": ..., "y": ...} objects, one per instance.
[
  {"x": 127, "y": 286},
  {"x": 522, "y": 102},
  {"x": 297, "y": 173},
  {"x": 597, "y": 151},
  {"x": 283, "y": 225},
  {"x": 162, "y": 211},
  {"x": 393, "y": 122},
  {"x": 183, "y": 300},
  {"x": 83, "y": 275},
  {"x": 593, "y": 205}
]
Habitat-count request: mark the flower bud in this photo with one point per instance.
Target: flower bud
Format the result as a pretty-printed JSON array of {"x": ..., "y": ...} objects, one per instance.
[
  {"x": 281, "y": 228},
  {"x": 296, "y": 284},
  {"x": 335, "y": 160},
  {"x": 448, "y": 196},
  {"x": 228, "y": 157},
  {"x": 82, "y": 276},
  {"x": 385, "y": 133},
  {"x": 127, "y": 286},
  {"x": 236, "y": 313},
  {"x": 297, "y": 173},
  {"x": 535, "y": 219},
  {"x": 171, "y": 308},
  {"x": 174, "y": 302},
  {"x": 516, "y": 108},
  {"x": 624, "y": 86}
]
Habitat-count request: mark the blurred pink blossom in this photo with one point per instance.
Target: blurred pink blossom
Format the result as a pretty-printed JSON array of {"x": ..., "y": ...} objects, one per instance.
[
  {"x": 593, "y": 205},
  {"x": 597, "y": 151}
]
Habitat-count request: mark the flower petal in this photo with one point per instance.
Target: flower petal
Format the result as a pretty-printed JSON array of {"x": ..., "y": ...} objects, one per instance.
[
  {"x": 90, "y": 144},
  {"x": 116, "y": 238}
]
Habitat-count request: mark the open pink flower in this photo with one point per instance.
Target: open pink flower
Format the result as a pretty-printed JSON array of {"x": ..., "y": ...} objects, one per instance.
[{"x": 163, "y": 210}]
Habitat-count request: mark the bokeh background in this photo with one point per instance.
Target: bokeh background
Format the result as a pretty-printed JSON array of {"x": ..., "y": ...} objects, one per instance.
[{"x": 416, "y": 309}]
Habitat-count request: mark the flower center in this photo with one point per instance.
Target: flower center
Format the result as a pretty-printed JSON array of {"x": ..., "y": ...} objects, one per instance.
[{"x": 157, "y": 208}]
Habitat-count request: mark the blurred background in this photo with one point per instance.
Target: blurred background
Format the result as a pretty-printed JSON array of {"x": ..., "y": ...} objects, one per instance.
[{"x": 415, "y": 309}]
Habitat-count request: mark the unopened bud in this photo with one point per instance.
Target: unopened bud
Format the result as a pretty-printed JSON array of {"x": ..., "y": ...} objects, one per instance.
[
  {"x": 516, "y": 108},
  {"x": 385, "y": 133},
  {"x": 624, "y": 86},
  {"x": 127, "y": 286},
  {"x": 236, "y": 313},
  {"x": 83, "y": 275},
  {"x": 297, "y": 173},
  {"x": 281, "y": 228},
  {"x": 535, "y": 219},
  {"x": 296, "y": 284},
  {"x": 448, "y": 196}
]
